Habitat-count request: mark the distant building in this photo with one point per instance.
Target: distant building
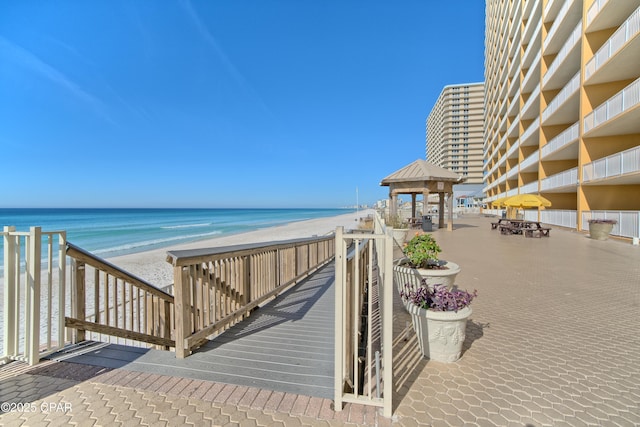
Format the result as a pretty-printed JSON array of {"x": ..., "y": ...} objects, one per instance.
[
  {"x": 455, "y": 130},
  {"x": 562, "y": 82}
]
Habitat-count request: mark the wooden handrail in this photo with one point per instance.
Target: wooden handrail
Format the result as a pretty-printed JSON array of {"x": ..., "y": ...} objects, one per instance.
[
  {"x": 216, "y": 287},
  {"x": 121, "y": 305},
  {"x": 80, "y": 254}
]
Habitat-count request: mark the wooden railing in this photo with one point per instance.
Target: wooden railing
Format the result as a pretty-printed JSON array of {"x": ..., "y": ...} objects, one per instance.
[
  {"x": 107, "y": 300},
  {"x": 215, "y": 288},
  {"x": 363, "y": 323}
]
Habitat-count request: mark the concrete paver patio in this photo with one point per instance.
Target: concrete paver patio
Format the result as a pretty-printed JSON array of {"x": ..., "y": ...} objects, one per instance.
[{"x": 553, "y": 340}]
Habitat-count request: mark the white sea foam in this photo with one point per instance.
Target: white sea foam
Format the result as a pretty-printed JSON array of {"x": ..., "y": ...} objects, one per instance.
[
  {"x": 155, "y": 242},
  {"x": 169, "y": 227}
]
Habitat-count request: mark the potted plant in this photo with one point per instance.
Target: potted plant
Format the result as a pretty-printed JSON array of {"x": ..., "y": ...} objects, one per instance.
[
  {"x": 421, "y": 253},
  {"x": 440, "y": 319},
  {"x": 599, "y": 229}
]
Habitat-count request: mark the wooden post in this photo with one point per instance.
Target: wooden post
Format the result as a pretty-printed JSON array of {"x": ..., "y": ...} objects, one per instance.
[
  {"x": 441, "y": 210},
  {"x": 182, "y": 305},
  {"x": 339, "y": 327},
  {"x": 79, "y": 296},
  {"x": 10, "y": 302},
  {"x": 387, "y": 325},
  {"x": 247, "y": 280},
  {"x": 166, "y": 332},
  {"x": 32, "y": 314}
]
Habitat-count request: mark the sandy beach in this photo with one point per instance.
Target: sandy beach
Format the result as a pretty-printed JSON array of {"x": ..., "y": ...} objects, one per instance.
[{"x": 153, "y": 267}]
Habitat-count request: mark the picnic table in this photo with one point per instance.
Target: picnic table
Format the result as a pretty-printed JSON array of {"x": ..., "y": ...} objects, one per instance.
[
  {"x": 520, "y": 226},
  {"x": 415, "y": 222}
]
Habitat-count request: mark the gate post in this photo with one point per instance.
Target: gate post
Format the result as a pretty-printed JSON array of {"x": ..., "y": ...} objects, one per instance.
[
  {"x": 32, "y": 326},
  {"x": 10, "y": 303},
  {"x": 338, "y": 375},
  {"x": 182, "y": 307}
]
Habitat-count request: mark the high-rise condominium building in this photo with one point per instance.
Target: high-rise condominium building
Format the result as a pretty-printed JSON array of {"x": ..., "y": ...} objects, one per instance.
[
  {"x": 563, "y": 108},
  {"x": 455, "y": 131}
]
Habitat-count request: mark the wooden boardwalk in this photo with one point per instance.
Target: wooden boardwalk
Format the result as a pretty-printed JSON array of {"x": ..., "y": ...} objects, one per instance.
[{"x": 286, "y": 345}]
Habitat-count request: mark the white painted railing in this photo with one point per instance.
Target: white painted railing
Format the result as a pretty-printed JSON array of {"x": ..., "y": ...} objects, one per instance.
[
  {"x": 621, "y": 163},
  {"x": 512, "y": 127},
  {"x": 557, "y": 22},
  {"x": 511, "y": 172},
  {"x": 559, "y": 217},
  {"x": 533, "y": 127},
  {"x": 34, "y": 294},
  {"x": 532, "y": 49},
  {"x": 528, "y": 30},
  {"x": 628, "y": 30},
  {"x": 364, "y": 267},
  {"x": 572, "y": 87},
  {"x": 628, "y": 222},
  {"x": 529, "y": 188},
  {"x": 532, "y": 98},
  {"x": 533, "y": 158},
  {"x": 562, "y": 179},
  {"x": 594, "y": 10},
  {"x": 512, "y": 149},
  {"x": 622, "y": 101},
  {"x": 571, "y": 42},
  {"x": 564, "y": 138},
  {"x": 547, "y": 7}
]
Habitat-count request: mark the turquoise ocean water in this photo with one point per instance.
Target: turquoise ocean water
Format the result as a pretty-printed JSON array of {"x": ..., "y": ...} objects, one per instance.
[{"x": 111, "y": 232}]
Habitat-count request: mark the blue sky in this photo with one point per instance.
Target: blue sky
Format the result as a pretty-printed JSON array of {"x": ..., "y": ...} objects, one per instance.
[{"x": 265, "y": 103}]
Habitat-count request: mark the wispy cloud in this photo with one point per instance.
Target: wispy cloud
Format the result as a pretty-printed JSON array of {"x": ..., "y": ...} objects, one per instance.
[
  {"x": 32, "y": 62},
  {"x": 211, "y": 41}
]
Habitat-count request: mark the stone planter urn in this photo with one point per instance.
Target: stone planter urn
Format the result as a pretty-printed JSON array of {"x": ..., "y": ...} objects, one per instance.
[
  {"x": 600, "y": 229},
  {"x": 405, "y": 276},
  {"x": 440, "y": 334},
  {"x": 400, "y": 235},
  {"x": 446, "y": 275}
]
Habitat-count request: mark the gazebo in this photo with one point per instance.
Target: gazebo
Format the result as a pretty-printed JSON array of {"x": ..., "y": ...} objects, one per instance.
[{"x": 423, "y": 178}]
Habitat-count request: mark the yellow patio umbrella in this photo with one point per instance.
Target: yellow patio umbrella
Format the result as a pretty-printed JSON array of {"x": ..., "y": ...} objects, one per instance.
[
  {"x": 524, "y": 201},
  {"x": 499, "y": 202}
]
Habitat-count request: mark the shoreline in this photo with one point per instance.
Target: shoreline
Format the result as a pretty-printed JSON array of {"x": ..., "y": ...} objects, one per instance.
[{"x": 152, "y": 266}]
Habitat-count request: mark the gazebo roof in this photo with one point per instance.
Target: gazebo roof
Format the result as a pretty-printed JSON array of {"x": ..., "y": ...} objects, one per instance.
[{"x": 421, "y": 170}]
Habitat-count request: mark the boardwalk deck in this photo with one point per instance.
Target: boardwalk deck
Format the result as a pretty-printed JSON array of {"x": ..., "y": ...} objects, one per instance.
[{"x": 287, "y": 345}]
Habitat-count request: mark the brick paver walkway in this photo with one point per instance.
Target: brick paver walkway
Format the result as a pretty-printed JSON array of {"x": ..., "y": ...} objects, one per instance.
[{"x": 553, "y": 340}]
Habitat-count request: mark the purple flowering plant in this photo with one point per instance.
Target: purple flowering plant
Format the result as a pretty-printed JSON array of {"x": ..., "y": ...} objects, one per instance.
[{"x": 439, "y": 298}]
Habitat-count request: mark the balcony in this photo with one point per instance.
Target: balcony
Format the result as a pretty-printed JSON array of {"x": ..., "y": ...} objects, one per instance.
[
  {"x": 533, "y": 19},
  {"x": 619, "y": 115},
  {"x": 622, "y": 168},
  {"x": 513, "y": 150},
  {"x": 529, "y": 136},
  {"x": 566, "y": 62},
  {"x": 532, "y": 49},
  {"x": 530, "y": 164},
  {"x": 563, "y": 182},
  {"x": 607, "y": 14},
  {"x": 551, "y": 9},
  {"x": 618, "y": 58},
  {"x": 532, "y": 77},
  {"x": 529, "y": 188},
  {"x": 568, "y": 16},
  {"x": 564, "y": 107},
  {"x": 531, "y": 108},
  {"x": 564, "y": 146},
  {"x": 513, "y": 129},
  {"x": 513, "y": 171}
]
